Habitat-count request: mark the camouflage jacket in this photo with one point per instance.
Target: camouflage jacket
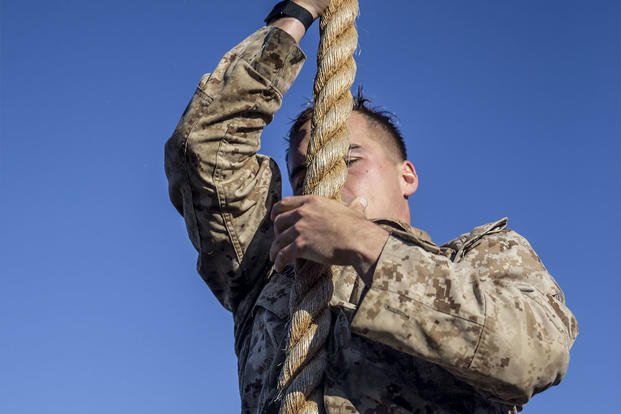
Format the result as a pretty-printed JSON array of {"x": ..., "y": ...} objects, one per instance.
[{"x": 476, "y": 325}]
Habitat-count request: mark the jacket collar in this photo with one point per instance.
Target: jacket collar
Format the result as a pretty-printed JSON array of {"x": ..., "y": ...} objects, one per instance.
[{"x": 400, "y": 225}]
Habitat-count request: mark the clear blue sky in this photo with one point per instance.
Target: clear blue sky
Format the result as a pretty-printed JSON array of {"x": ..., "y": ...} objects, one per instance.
[{"x": 510, "y": 108}]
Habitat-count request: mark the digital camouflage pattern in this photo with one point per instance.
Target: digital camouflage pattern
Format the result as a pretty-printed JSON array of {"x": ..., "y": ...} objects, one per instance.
[{"x": 476, "y": 325}]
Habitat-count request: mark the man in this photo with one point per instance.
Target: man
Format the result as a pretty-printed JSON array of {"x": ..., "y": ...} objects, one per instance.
[{"x": 473, "y": 326}]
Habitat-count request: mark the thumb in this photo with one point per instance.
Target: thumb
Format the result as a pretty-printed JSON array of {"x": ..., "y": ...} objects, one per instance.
[{"x": 359, "y": 204}]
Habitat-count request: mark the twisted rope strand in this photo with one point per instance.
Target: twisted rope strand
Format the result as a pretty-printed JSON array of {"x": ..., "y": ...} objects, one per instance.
[{"x": 300, "y": 381}]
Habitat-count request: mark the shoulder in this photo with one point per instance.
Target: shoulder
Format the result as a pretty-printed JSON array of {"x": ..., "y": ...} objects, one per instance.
[
  {"x": 500, "y": 252},
  {"x": 493, "y": 237},
  {"x": 468, "y": 241},
  {"x": 493, "y": 241}
]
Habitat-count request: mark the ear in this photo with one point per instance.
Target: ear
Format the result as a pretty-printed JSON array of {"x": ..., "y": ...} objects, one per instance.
[{"x": 409, "y": 178}]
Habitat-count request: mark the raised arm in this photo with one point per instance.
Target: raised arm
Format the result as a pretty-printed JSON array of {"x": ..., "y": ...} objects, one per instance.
[
  {"x": 488, "y": 311},
  {"x": 217, "y": 181}
]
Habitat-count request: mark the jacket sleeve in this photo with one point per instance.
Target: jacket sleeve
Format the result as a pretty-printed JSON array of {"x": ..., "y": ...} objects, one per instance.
[
  {"x": 489, "y": 313},
  {"x": 217, "y": 181}
]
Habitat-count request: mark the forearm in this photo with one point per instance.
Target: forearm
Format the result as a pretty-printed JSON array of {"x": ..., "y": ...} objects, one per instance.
[
  {"x": 485, "y": 318},
  {"x": 368, "y": 240},
  {"x": 293, "y": 26},
  {"x": 216, "y": 180}
]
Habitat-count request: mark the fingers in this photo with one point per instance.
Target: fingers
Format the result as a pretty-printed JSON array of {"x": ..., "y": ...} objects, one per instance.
[
  {"x": 289, "y": 203},
  {"x": 293, "y": 202},
  {"x": 285, "y": 256},
  {"x": 286, "y": 248},
  {"x": 285, "y": 220},
  {"x": 285, "y": 214},
  {"x": 289, "y": 243},
  {"x": 312, "y": 228},
  {"x": 282, "y": 240}
]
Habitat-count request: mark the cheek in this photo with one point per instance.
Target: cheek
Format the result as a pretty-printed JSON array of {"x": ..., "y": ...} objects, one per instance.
[
  {"x": 351, "y": 189},
  {"x": 361, "y": 181},
  {"x": 376, "y": 181}
]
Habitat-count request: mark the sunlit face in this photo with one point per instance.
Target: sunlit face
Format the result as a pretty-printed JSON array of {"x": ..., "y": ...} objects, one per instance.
[{"x": 373, "y": 171}]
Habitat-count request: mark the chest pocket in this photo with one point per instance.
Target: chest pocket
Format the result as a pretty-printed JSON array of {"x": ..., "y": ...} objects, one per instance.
[
  {"x": 271, "y": 310},
  {"x": 264, "y": 348},
  {"x": 275, "y": 295}
]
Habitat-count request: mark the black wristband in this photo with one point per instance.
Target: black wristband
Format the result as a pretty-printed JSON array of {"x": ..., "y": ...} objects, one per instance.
[{"x": 288, "y": 8}]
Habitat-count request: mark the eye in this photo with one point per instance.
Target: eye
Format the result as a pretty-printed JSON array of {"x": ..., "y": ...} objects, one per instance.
[
  {"x": 351, "y": 157},
  {"x": 349, "y": 161}
]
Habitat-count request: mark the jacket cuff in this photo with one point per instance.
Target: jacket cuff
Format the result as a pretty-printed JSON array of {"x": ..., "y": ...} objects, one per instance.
[{"x": 279, "y": 59}]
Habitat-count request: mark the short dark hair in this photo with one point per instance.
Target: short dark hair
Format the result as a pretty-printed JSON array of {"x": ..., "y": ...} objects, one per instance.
[{"x": 383, "y": 119}]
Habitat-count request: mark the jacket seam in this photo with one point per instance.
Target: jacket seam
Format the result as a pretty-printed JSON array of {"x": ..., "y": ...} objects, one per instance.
[
  {"x": 480, "y": 340},
  {"x": 427, "y": 306},
  {"x": 199, "y": 239},
  {"x": 222, "y": 201},
  {"x": 277, "y": 76}
]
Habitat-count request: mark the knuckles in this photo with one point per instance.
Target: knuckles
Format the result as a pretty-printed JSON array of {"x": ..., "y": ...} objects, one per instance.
[
  {"x": 300, "y": 244},
  {"x": 298, "y": 228},
  {"x": 312, "y": 199}
]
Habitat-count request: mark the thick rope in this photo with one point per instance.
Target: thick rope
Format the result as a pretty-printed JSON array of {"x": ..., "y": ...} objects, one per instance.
[{"x": 300, "y": 383}]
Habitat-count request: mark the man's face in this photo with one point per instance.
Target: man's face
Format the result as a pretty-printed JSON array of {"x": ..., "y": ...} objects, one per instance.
[{"x": 373, "y": 171}]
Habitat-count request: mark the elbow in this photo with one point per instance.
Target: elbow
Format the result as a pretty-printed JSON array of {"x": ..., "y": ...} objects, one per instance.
[
  {"x": 523, "y": 372},
  {"x": 541, "y": 369},
  {"x": 520, "y": 353},
  {"x": 174, "y": 168},
  {"x": 545, "y": 364}
]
